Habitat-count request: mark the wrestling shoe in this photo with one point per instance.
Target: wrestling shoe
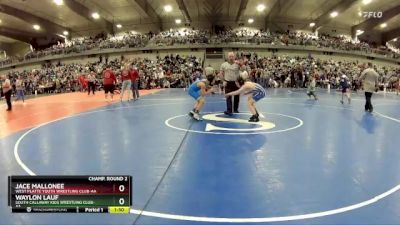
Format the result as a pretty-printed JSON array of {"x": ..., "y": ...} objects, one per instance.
[
  {"x": 254, "y": 119},
  {"x": 197, "y": 117},
  {"x": 191, "y": 113}
]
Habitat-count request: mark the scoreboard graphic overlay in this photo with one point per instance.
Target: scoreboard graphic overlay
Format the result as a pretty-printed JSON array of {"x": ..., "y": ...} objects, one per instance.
[{"x": 70, "y": 194}]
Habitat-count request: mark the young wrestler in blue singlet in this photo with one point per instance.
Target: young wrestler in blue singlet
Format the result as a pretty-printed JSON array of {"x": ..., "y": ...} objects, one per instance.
[
  {"x": 198, "y": 90},
  {"x": 254, "y": 93}
]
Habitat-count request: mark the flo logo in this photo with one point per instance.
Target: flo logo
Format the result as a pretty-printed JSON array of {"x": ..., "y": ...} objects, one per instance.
[
  {"x": 261, "y": 125},
  {"x": 372, "y": 14}
]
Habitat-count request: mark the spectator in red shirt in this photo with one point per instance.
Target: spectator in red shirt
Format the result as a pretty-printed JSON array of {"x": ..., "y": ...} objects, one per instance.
[
  {"x": 109, "y": 81},
  {"x": 135, "y": 82},
  {"x": 126, "y": 81},
  {"x": 83, "y": 82}
]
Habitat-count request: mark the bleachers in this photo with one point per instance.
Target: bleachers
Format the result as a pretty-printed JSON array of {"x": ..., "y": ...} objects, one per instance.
[{"x": 189, "y": 39}]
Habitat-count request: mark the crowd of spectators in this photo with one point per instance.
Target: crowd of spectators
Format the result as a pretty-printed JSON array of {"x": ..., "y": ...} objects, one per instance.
[
  {"x": 128, "y": 40},
  {"x": 74, "y": 46},
  {"x": 171, "y": 71},
  {"x": 78, "y": 45},
  {"x": 181, "y": 36},
  {"x": 190, "y": 36},
  {"x": 294, "y": 72},
  {"x": 394, "y": 47},
  {"x": 300, "y": 39},
  {"x": 175, "y": 71}
]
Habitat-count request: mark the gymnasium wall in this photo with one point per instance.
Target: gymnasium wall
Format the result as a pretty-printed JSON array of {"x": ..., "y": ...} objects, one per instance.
[
  {"x": 215, "y": 63},
  {"x": 18, "y": 49},
  {"x": 26, "y": 67},
  {"x": 144, "y": 26}
]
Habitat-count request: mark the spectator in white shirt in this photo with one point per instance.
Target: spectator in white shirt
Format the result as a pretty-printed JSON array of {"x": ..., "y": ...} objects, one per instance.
[
  {"x": 19, "y": 87},
  {"x": 7, "y": 91},
  {"x": 91, "y": 82},
  {"x": 369, "y": 78}
]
